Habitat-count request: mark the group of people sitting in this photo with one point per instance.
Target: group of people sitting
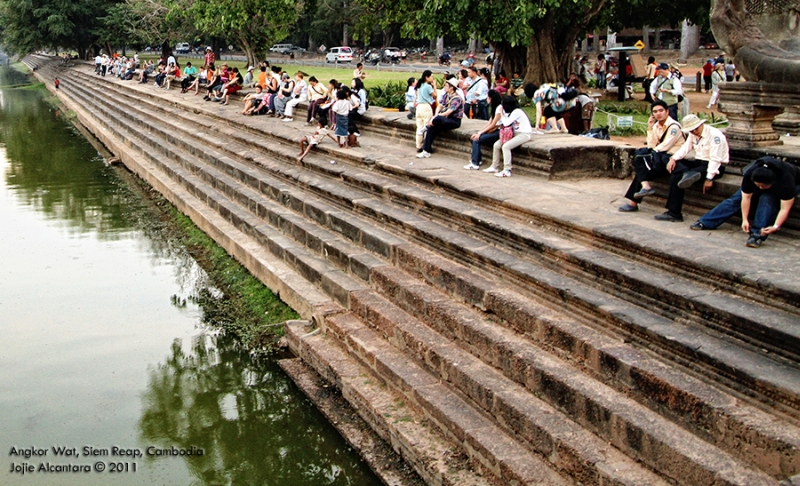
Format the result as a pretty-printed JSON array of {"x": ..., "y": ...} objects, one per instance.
[
  {"x": 769, "y": 186},
  {"x": 471, "y": 94},
  {"x": 336, "y": 107},
  {"x": 768, "y": 190}
]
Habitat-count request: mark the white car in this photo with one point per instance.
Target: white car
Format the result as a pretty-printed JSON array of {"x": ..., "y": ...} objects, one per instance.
[
  {"x": 182, "y": 48},
  {"x": 279, "y": 48},
  {"x": 339, "y": 54}
]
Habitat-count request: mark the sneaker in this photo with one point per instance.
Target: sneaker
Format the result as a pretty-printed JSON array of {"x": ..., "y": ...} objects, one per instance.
[
  {"x": 754, "y": 242},
  {"x": 689, "y": 178},
  {"x": 357, "y": 134},
  {"x": 644, "y": 193},
  {"x": 421, "y": 131},
  {"x": 490, "y": 170},
  {"x": 628, "y": 208},
  {"x": 423, "y": 155},
  {"x": 288, "y": 119},
  {"x": 697, "y": 226},
  {"x": 472, "y": 166},
  {"x": 667, "y": 216},
  {"x": 504, "y": 173}
]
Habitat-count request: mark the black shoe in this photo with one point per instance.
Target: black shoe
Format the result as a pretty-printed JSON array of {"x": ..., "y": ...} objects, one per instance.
[
  {"x": 754, "y": 242},
  {"x": 667, "y": 216},
  {"x": 628, "y": 208},
  {"x": 644, "y": 193},
  {"x": 689, "y": 178},
  {"x": 697, "y": 226}
]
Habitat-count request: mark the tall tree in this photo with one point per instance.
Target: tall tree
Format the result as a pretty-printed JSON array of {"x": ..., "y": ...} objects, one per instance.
[
  {"x": 28, "y": 26},
  {"x": 535, "y": 37},
  {"x": 254, "y": 25}
]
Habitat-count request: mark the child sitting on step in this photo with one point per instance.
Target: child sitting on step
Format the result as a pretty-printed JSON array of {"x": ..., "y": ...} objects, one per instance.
[{"x": 309, "y": 141}]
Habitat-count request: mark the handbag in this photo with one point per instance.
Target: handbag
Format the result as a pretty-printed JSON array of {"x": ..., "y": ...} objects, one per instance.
[{"x": 506, "y": 133}]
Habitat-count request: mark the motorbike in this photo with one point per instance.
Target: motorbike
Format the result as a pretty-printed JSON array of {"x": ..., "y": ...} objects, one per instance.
[
  {"x": 444, "y": 59},
  {"x": 372, "y": 57}
]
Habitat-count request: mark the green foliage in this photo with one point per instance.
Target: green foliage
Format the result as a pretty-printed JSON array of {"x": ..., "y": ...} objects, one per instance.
[
  {"x": 28, "y": 26},
  {"x": 625, "y": 108},
  {"x": 253, "y": 24},
  {"x": 715, "y": 119},
  {"x": 389, "y": 95}
]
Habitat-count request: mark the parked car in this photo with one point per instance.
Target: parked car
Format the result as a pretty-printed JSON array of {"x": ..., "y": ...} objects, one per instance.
[
  {"x": 182, "y": 48},
  {"x": 339, "y": 54},
  {"x": 279, "y": 48},
  {"x": 293, "y": 50}
]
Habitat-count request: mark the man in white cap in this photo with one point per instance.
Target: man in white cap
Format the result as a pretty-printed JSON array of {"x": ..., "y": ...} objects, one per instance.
[{"x": 711, "y": 155}]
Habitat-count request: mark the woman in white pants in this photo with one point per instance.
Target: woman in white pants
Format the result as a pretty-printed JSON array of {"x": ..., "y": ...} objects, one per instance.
[
  {"x": 717, "y": 78},
  {"x": 514, "y": 117},
  {"x": 426, "y": 95},
  {"x": 299, "y": 95}
]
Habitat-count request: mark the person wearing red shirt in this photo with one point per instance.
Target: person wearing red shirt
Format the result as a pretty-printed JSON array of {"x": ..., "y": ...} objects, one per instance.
[
  {"x": 210, "y": 57},
  {"x": 708, "y": 68}
]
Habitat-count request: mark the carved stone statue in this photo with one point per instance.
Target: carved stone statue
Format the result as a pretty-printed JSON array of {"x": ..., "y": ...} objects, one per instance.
[{"x": 769, "y": 63}]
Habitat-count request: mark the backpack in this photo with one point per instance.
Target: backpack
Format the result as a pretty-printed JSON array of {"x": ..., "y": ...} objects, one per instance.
[{"x": 600, "y": 133}]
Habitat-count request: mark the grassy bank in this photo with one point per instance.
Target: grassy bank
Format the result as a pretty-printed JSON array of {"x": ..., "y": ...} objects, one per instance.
[{"x": 243, "y": 306}]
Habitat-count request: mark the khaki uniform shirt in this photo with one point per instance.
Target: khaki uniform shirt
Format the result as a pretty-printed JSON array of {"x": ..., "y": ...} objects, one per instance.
[{"x": 672, "y": 141}]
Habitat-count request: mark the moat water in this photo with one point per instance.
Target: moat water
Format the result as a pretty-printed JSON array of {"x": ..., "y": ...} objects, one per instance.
[{"x": 106, "y": 362}]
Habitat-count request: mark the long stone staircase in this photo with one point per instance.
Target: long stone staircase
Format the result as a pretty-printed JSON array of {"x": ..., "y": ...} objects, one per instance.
[{"x": 487, "y": 343}]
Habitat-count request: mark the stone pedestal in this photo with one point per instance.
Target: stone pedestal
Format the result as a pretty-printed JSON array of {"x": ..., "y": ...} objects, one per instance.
[
  {"x": 751, "y": 109},
  {"x": 751, "y": 125},
  {"x": 788, "y": 122}
]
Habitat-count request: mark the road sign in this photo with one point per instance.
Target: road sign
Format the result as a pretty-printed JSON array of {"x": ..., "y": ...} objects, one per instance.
[{"x": 639, "y": 45}]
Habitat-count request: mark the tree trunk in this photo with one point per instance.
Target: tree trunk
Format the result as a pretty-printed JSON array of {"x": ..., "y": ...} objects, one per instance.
[
  {"x": 646, "y": 38},
  {"x": 108, "y": 49},
  {"x": 166, "y": 50},
  {"x": 82, "y": 53}
]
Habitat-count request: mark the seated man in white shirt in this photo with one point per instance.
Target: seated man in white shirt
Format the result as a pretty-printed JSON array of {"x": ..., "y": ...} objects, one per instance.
[{"x": 711, "y": 155}]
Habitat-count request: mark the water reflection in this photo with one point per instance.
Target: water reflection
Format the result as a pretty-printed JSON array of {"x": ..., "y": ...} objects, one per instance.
[
  {"x": 246, "y": 416},
  {"x": 49, "y": 171},
  {"x": 93, "y": 298}
]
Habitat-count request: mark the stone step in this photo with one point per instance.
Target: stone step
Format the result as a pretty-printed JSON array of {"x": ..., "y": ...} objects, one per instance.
[
  {"x": 741, "y": 320},
  {"x": 513, "y": 463},
  {"x": 388, "y": 413},
  {"x": 686, "y": 267},
  {"x": 387, "y": 464}
]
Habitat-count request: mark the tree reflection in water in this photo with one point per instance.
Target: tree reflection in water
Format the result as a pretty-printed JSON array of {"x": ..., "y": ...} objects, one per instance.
[{"x": 255, "y": 426}]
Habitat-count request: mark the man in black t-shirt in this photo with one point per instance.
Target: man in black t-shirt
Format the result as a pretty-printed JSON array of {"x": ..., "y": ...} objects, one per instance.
[{"x": 764, "y": 183}]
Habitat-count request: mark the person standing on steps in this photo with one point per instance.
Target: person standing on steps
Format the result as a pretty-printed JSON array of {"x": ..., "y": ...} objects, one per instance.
[
  {"x": 711, "y": 155},
  {"x": 426, "y": 94},
  {"x": 210, "y": 58},
  {"x": 764, "y": 183},
  {"x": 664, "y": 137}
]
